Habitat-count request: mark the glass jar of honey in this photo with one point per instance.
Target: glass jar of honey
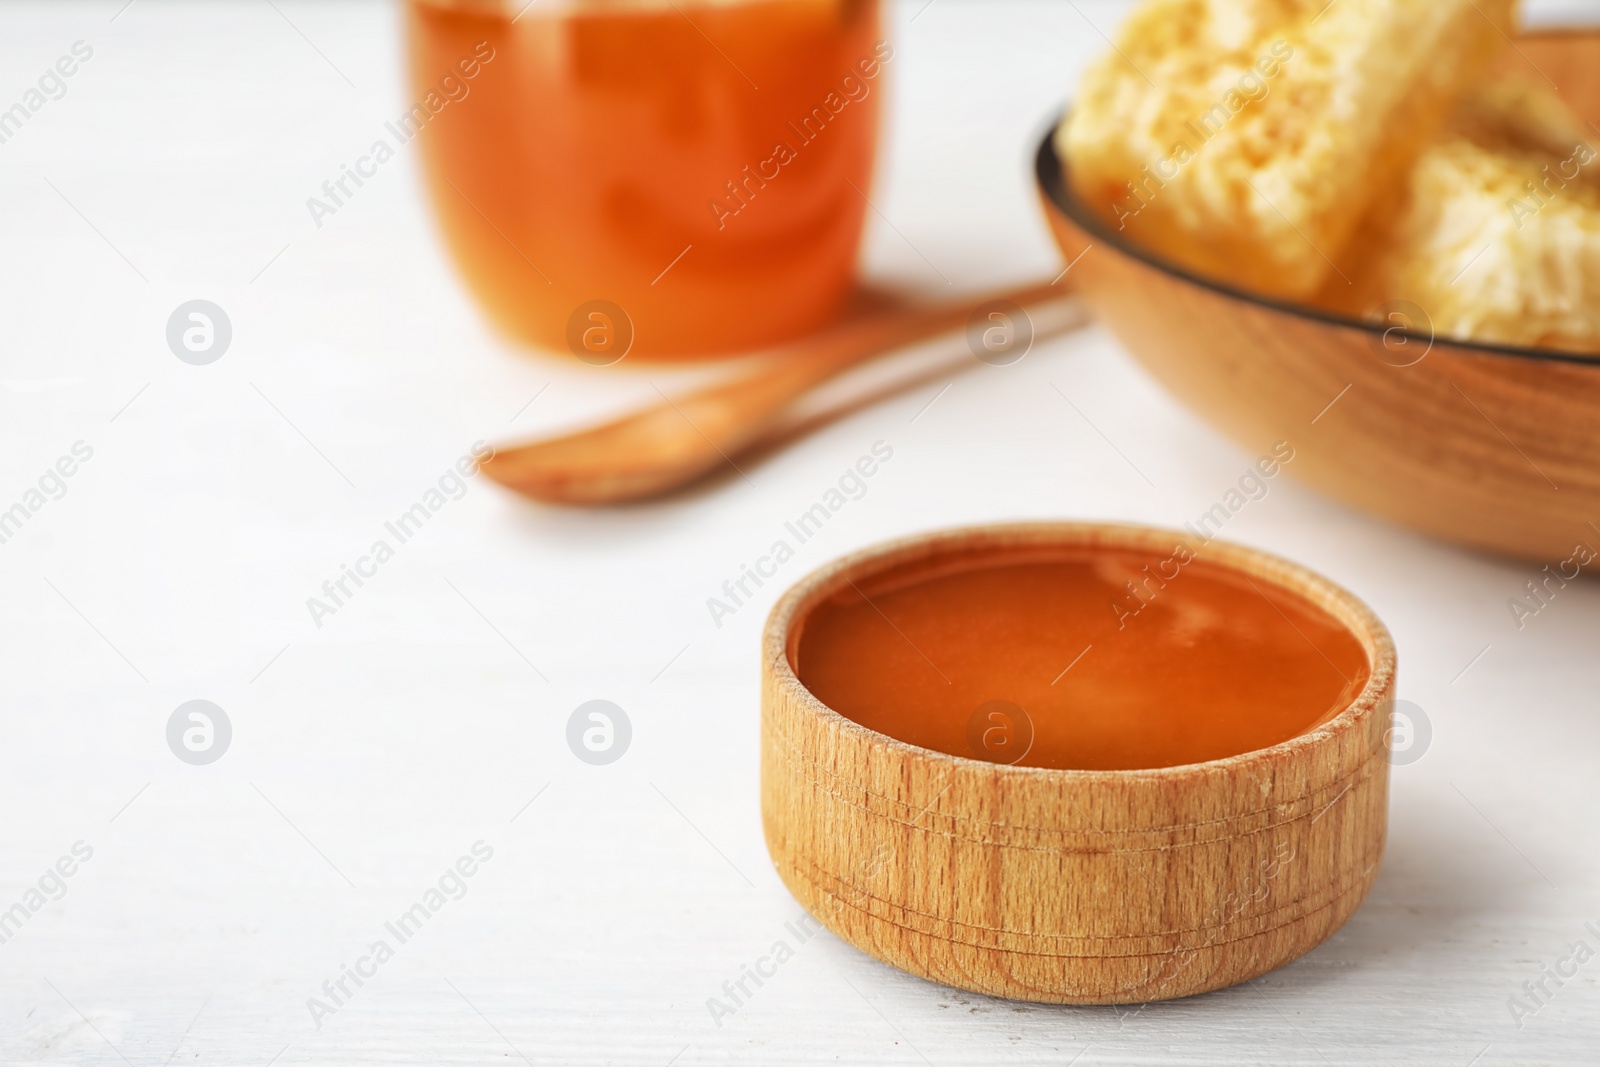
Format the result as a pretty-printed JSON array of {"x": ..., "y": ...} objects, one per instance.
[{"x": 666, "y": 178}]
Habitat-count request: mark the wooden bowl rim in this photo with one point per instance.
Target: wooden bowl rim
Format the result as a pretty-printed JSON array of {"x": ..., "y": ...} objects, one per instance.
[
  {"x": 1050, "y": 171},
  {"x": 1357, "y": 617}
]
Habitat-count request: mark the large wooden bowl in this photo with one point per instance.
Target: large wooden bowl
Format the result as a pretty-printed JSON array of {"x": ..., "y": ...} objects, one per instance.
[
  {"x": 1073, "y": 886},
  {"x": 1491, "y": 446}
]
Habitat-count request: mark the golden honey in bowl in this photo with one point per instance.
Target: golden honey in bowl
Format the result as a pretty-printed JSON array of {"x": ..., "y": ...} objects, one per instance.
[
  {"x": 1079, "y": 657},
  {"x": 1151, "y": 838},
  {"x": 695, "y": 170}
]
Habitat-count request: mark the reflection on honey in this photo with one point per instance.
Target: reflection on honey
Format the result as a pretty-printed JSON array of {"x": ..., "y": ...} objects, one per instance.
[{"x": 700, "y": 166}]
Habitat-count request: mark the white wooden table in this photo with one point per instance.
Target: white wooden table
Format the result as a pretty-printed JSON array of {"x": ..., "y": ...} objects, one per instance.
[{"x": 429, "y": 711}]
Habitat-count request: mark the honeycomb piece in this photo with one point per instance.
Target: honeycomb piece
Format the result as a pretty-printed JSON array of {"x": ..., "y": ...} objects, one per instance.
[
  {"x": 1497, "y": 233},
  {"x": 1245, "y": 139}
]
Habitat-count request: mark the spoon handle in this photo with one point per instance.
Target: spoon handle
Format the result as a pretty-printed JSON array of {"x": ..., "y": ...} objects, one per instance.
[{"x": 668, "y": 445}]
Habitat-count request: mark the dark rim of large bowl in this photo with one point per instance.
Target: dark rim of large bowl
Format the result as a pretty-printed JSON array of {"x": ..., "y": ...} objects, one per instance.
[{"x": 1051, "y": 172}]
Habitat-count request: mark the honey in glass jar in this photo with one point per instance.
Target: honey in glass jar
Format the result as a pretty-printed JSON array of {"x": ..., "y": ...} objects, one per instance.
[{"x": 665, "y": 178}]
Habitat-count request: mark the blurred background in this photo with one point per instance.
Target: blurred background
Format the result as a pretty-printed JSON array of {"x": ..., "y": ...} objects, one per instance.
[{"x": 373, "y": 744}]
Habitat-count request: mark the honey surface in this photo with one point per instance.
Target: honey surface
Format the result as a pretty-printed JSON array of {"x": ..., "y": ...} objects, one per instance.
[{"x": 1047, "y": 658}]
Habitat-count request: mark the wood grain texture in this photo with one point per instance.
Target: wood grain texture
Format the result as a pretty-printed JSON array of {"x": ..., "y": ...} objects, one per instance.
[
  {"x": 1489, "y": 447},
  {"x": 1081, "y": 887}
]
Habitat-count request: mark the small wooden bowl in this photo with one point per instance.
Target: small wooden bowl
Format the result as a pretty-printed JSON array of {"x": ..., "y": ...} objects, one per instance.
[
  {"x": 1070, "y": 886},
  {"x": 1488, "y": 445}
]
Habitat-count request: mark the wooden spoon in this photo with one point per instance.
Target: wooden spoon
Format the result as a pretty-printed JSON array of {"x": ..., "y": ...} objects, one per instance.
[{"x": 668, "y": 445}]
